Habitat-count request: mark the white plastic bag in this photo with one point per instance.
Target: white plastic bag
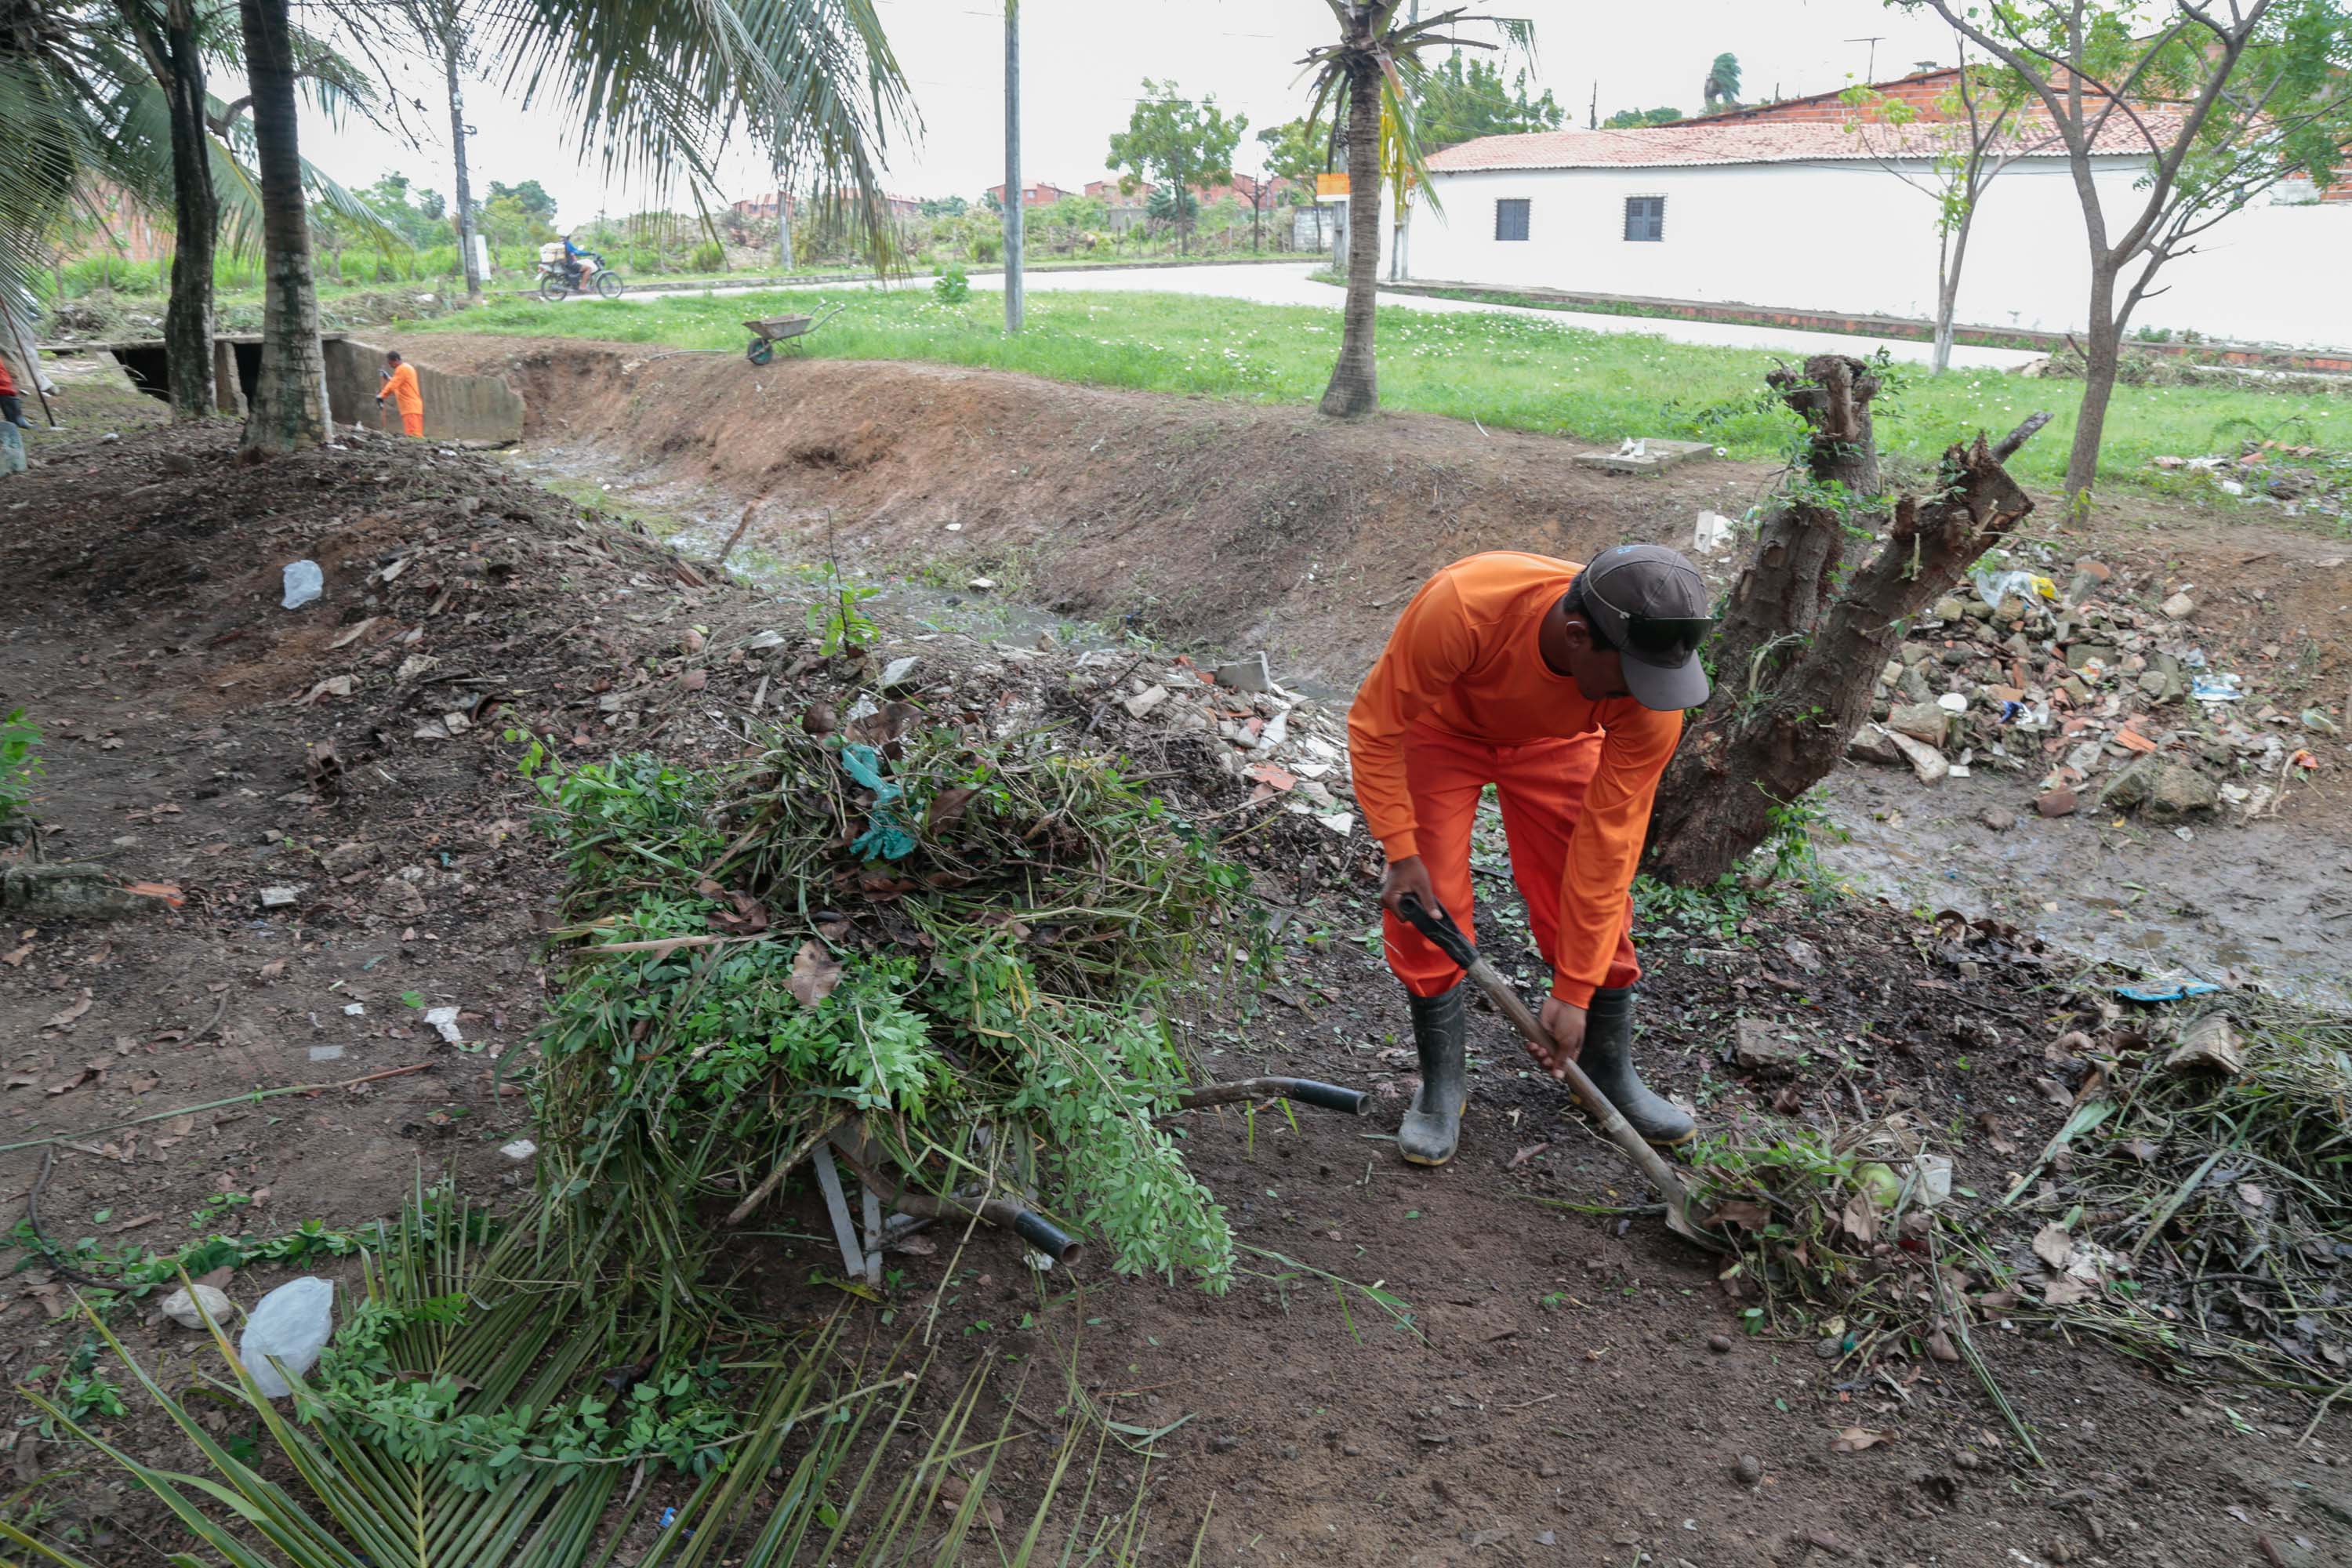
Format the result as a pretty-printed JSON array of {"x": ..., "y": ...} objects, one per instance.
[
  {"x": 304, "y": 582},
  {"x": 292, "y": 1323}
]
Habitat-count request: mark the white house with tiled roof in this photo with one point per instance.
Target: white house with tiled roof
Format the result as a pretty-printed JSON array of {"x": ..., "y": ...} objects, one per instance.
[{"x": 1806, "y": 216}]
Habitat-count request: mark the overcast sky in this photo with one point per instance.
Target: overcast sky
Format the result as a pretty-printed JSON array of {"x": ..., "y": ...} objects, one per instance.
[{"x": 1083, "y": 62}]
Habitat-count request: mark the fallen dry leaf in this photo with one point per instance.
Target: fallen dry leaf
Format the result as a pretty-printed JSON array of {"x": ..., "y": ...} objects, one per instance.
[
  {"x": 64, "y": 1020},
  {"x": 273, "y": 969},
  {"x": 2251, "y": 1195},
  {"x": 120, "y": 1225},
  {"x": 83, "y": 1076},
  {"x": 15, "y": 956},
  {"x": 22, "y": 1080},
  {"x": 1751, "y": 1217},
  {"x": 947, "y": 807},
  {"x": 353, "y": 635},
  {"x": 166, "y": 891},
  {"x": 1861, "y": 1218},
  {"x": 1854, "y": 1439},
  {"x": 2054, "y": 1246},
  {"x": 1524, "y": 1156},
  {"x": 2065, "y": 1290},
  {"x": 815, "y": 973}
]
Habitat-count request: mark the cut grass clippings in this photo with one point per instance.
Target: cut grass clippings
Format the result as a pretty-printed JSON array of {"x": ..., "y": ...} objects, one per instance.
[{"x": 1514, "y": 372}]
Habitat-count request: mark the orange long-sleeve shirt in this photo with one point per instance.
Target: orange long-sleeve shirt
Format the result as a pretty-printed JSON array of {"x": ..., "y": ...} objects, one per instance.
[
  {"x": 1464, "y": 657},
  {"x": 403, "y": 390}
]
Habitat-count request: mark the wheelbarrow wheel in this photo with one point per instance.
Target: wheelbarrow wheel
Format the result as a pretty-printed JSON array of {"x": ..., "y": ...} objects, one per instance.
[{"x": 759, "y": 351}]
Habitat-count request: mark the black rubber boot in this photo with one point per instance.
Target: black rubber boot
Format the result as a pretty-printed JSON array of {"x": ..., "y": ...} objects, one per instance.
[
  {"x": 1608, "y": 1060},
  {"x": 1433, "y": 1126}
]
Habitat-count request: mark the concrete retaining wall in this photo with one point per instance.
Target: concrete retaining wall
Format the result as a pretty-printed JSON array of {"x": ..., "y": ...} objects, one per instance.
[{"x": 456, "y": 407}]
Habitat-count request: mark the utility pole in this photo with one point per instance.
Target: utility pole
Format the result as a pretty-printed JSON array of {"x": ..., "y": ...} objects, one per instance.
[
  {"x": 1012, "y": 165},
  {"x": 1592, "y": 115},
  {"x": 783, "y": 218},
  {"x": 1870, "y": 71},
  {"x": 452, "y": 42}
]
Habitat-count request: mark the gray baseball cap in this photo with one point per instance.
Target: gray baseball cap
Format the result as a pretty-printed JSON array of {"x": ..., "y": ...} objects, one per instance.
[{"x": 1652, "y": 605}]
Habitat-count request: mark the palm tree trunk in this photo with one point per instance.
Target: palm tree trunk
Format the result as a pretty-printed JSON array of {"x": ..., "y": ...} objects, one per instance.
[
  {"x": 289, "y": 396},
  {"x": 1355, "y": 386},
  {"x": 452, "y": 35},
  {"x": 195, "y": 218}
]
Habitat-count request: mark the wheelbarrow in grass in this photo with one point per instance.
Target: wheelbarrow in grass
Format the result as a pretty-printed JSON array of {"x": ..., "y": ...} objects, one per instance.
[{"x": 767, "y": 331}]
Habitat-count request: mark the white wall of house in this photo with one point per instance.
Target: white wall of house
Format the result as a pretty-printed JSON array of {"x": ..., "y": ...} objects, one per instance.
[{"x": 1851, "y": 237}]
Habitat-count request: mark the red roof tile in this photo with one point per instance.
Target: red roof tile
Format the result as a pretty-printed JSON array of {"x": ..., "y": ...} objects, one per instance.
[{"x": 1702, "y": 143}]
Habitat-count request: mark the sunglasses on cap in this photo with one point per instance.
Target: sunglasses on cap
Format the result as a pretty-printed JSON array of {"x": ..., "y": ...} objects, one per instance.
[{"x": 1661, "y": 637}]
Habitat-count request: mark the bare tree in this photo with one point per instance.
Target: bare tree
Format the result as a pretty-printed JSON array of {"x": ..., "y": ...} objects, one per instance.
[
  {"x": 1976, "y": 137},
  {"x": 2224, "y": 99}
]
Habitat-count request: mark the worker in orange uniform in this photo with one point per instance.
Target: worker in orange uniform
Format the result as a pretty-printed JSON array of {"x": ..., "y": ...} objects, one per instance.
[
  {"x": 1563, "y": 687},
  {"x": 399, "y": 385}
]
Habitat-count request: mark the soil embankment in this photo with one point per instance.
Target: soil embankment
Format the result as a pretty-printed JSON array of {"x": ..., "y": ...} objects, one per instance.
[
  {"x": 1229, "y": 526},
  {"x": 1196, "y": 519}
]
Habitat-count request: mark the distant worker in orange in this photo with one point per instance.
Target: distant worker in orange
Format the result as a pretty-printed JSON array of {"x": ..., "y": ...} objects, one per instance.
[
  {"x": 1563, "y": 687},
  {"x": 399, "y": 385}
]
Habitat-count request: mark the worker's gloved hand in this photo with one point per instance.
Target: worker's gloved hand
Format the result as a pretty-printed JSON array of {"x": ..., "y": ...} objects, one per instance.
[
  {"x": 1408, "y": 875},
  {"x": 1565, "y": 1025}
]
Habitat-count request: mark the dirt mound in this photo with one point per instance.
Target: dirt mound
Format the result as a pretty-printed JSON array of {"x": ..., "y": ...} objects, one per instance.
[{"x": 1196, "y": 519}]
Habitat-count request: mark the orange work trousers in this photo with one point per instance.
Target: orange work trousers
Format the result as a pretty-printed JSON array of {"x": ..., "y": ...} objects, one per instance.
[
  {"x": 412, "y": 421},
  {"x": 1541, "y": 788}
]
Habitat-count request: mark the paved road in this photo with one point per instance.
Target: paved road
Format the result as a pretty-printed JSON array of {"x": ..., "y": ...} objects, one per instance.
[{"x": 1290, "y": 285}]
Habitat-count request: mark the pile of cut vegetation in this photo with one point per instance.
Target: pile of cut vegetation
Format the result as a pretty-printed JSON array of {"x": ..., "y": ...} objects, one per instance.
[{"x": 971, "y": 955}]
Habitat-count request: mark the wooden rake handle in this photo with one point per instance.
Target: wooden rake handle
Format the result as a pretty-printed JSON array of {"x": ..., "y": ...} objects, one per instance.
[{"x": 1456, "y": 945}]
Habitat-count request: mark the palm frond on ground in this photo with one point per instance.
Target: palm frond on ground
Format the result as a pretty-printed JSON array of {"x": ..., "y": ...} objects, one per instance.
[{"x": 390, "y": 1442}]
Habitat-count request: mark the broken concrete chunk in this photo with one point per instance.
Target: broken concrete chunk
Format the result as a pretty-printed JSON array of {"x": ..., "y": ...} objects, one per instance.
[
  {"x": 1145, "y": 700},
  {"x": 521, "y": 1149},
  {"x": 1947, "y": 609},
  {"x": 1927, "y": 722},
  {"x": 2181, "y": 607},
  {"x": 71, "y": 890},
  {"x": 1872, "y": 744},
  {"x": 1927, "y": 762},
  {"x": 1251, "y": 674}
]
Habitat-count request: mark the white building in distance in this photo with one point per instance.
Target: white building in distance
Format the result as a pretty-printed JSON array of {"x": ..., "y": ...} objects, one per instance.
[{"x": 1792, "y": 208}]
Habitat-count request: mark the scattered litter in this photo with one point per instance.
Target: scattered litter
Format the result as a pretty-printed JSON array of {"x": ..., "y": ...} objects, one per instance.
[
  {"x": 2164, "y": 990},
  {"x": 180, "y": 1306},
  {"x": 1714, "y": 532},
  {"x": 304, "y": 582},
  {"x": 354, "y": 1009},
  {"x": 326, "y": 1053},
  {"x": 980, "y": 584},
  {"x": 292, "y": 1323},
  {"x": 278, "y": 898},
  {"x": 445, "y": 1024},
  {"x": 521, "y": 1149}
]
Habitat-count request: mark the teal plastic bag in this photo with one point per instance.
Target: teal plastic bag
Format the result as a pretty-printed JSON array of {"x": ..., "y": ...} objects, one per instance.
[{"x": 885, "y": 837}]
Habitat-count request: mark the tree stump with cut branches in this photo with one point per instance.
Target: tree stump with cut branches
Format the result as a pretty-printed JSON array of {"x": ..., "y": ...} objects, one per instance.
[{"x": 1804, "y": 634}]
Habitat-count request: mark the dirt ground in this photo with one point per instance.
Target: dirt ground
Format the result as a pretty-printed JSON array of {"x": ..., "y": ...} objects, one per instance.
[{"x": 1560, "y": 1398}]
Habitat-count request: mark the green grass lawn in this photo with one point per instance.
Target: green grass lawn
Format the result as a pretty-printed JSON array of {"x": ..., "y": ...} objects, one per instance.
[{"x": 1510, "y": 371}]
